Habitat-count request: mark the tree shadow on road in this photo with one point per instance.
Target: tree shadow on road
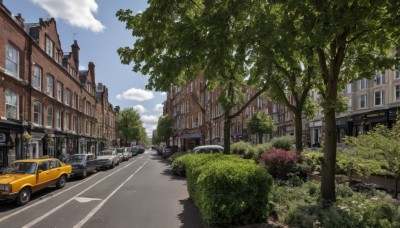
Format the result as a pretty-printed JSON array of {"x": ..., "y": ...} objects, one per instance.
[{"x": 190, "y": 216}]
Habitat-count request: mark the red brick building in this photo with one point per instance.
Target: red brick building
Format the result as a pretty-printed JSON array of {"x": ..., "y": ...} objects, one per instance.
[{"x": 47, "y": 105}]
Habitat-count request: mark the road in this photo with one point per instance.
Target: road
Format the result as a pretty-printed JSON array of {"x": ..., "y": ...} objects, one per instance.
[{"x": 140, "y": 192}]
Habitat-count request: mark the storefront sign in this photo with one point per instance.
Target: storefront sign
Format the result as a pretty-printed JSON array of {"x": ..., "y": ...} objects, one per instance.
[
  {"x": 376, "y": 115},
  {"x": 3, "y": 138}
]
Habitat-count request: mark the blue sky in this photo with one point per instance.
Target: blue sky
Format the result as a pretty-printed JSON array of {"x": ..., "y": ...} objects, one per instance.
[{"x": 99, "y": 34}]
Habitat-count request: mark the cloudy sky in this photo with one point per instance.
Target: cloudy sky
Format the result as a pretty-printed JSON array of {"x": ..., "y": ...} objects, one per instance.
[{"x": 99, "y": 34}]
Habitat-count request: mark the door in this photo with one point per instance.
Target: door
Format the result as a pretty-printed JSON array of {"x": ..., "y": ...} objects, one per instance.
[
  {"x": 3, "y": 157},
  {"x": 91, "y": 163},
  {"x": 34, "y": 151},
  {"x": 43, "y": 175},
  {"x": 55, "y": 170}
]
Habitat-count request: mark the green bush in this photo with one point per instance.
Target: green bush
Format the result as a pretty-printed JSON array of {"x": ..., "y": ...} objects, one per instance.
[
  {"x": 175, "y": 156},
  {"x": 227, "y": 189},
  {"x": 313, "y": 158},
  {"x": 284, "y": 142},
  {"x": 240, "y": 148},
  {"x": 260, "y": 149}
]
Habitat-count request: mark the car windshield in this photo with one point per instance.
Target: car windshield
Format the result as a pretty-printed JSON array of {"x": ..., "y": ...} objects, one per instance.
[
  {"x": 107, "y": 152},
  {"x": 77, "y": 158},
  {"x": 21, "y": 168}
]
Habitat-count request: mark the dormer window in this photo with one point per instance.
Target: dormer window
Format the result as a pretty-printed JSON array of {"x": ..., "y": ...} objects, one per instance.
[{"x": 49, "y": 47}]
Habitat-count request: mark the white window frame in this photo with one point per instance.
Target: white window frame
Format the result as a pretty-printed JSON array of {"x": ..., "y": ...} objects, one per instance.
[
  {"x": 37, "y": 77},
  {"x": 37, "y": 113},
  {"x": 396, "y": 74},
  {"x": 58, "y": 119},
  {"x": 380, "y": 97},
  {"x": 350, "y": 102},
  {"x": 397, "y": 92},
  {"x": 365, "y": 101},
  {"x": 50, "y": 86},
  {"x": 59, "y": 91},
  {"x": 379, "y": 78},
  {"x": 361, "y": 83},
  {"x": 12, "y": 60},
  {"x": 10, "y": 104},
  {"x": 67, "y": 98},
  {"x": 51, "y": 117},
  {"x": 49, "y": 48}
]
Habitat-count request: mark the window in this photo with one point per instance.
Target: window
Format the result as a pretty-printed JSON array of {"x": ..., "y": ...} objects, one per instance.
[
  {"x": 59, "y": 119},
  {"x": 67, "y": 121},
  {"x": 68, "y": 97},
  {"x": 363, "y": 101},
  {"x": 49, "y": 46},
  {"x": 350, "y": 103},
  {"x": 349, "y": 88},
  {"x": 37, "y": 113},
  {"x": 56, "y": 55},
  {"x": 363, "y": 83},
  {"x": 397, "y": 93},
  {"x": 59, "y": 91},
  {"x": 12, "y": 105},
  {"x": 50, "y": 85},
  {"x": 12, "y": 60},
  {"x": 378, "y": 98},
  {"x": 54, "y": 164},
  {"x": 37, "y": 77},
  {"x": 396, "y": 74},
  {"x": 378, "y": 78},
  {"x": 50, "y": 117}
]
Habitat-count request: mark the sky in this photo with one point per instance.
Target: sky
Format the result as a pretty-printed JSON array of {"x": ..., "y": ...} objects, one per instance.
[{"x": 99, "y": 34}]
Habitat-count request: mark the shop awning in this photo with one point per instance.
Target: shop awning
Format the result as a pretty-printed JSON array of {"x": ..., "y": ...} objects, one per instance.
[{"x": 191, "y": 136}]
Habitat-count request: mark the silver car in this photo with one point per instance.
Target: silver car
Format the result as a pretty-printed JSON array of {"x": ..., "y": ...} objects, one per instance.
[
  {"x": 208, "y": 149},
  {"x": 125, "y": 152},
  {"x": 108, "y": 159}
]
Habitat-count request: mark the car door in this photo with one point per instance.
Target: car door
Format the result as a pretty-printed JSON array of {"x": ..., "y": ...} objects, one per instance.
[
  {"x": 90, "y": 163},
  {"x": 55, "y": 170},
  {"x": 43, "y": 175}
]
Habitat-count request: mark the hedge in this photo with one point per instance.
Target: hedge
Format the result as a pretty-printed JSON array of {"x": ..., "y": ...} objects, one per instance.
[{"x": 227, "y": 190}]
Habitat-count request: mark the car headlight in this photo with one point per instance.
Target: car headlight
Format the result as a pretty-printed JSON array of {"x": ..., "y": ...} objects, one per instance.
[{"x": 5, "y": 187}]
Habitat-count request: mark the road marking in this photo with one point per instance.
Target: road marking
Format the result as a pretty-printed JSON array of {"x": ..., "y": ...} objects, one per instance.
[
  {"x": 85, "y": 199},
  {"x": 33, "y": 222},
  {"x": 96, "y": 209}
]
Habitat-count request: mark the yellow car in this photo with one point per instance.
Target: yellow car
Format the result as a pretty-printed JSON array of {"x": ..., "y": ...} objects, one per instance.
[{"x": 24, "y": 177}]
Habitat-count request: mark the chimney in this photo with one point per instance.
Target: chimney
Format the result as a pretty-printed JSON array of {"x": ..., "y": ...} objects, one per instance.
[
  {"x": 20, "y": 20},
  {"x": 75, "y": 53},
  {"x": 92, "y": 71}
]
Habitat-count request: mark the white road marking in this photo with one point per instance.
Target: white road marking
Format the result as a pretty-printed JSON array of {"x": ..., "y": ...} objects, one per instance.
[
  {"x": 85, "y": 199},
  {"x": 96, "y": 209},
  {"x": 33, "y": 222}
]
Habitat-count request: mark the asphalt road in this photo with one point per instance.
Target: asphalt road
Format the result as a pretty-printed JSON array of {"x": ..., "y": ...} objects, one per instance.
[{"x": 140, "y": 192}]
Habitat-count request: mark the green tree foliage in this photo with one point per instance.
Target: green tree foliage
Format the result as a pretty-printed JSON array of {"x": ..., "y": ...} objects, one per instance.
[
  {"x": 349, "y": 40},
  {"x": 164, "y": 128},
  {"x": 129, "y": 124},
  {"x": 177, "y": 41},
  {"x": 381, "y": 145},
  {"x": 261, "y": 123}
]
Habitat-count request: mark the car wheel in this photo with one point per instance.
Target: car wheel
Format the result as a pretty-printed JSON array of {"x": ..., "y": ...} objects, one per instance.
[
  {"x": 84, "y": 174},
  {"x": 23, "y": 196},
  {"x": 61, "y": 181},
  {"x": 112, "y": 165}
]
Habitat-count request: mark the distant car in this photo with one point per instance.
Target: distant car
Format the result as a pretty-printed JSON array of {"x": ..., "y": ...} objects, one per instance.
[
  {"x": 82, "y": 164},
  {"x": 126, "y": 153},
  {"x": 168, "y": 151},
  {"x": 24, "y": 177},
  {"x": 208, "y": 149},
  {"x": 108, "y": 158},
  {"x": 134, "y": 150}
]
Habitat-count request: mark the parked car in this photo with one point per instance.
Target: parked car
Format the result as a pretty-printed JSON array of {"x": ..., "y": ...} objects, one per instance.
[
  {"x": 24, "y": 177},
  {"x": 168, "y": 151},
  {"x": 120, "y": 155},
  {"x": 134, "y": 150},
  {"x": 82, "y": 164},
  {"x": 108, "y": 159},
  {"x": 208, "y": 149},
  {"x": 126, "y": 153}
]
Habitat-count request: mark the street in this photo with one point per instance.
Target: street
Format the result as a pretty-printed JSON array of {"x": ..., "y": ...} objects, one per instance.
[{"x": 141, "y": 192}]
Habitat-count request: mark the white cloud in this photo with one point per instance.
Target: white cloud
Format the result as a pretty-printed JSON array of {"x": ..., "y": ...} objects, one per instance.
[
  {"x": 150, "y": 119},
  {"x": 136, "y": 94},
  {"x": 164, "y": 93},
  {"x": 77, "y": 13},
  {"x": 139, "y": 108},
  {"x": 159, "y": 107}
]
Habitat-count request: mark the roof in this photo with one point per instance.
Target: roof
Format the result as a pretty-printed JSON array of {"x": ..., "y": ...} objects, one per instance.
[
  {"x": 209, "y": 147},
  {"x": 35, "y": 160}
]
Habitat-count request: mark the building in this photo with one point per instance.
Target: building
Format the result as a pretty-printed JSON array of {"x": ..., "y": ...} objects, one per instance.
[{"x": 49, "y": 104}]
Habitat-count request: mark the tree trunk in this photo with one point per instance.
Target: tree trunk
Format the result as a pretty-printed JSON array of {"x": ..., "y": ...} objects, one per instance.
[
  {"x": 260, "y": 138},
  {"x": 396, "y": 189},
  {"x": 227, "y": 133},
  {"x": 329, "y": 159},
  {"x": 298, "y": 130}
]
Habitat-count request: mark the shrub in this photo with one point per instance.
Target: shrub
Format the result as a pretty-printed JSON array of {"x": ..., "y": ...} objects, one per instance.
[
  {"x": 232, "y": 192},
  {"x": 240, "y": 148},
  {"x": 313, "y": 158},
  {"x": 284, "y": 142},
  {"x": 175, "y": 156},
  {"x": 279, "y": 162},
  {"x": 260, "y": 149}
]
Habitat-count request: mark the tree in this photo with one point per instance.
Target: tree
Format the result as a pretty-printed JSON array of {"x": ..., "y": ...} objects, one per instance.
[
  {"x": 164, "y": 128},
  {"x": 382, "y": 145},
  {"x": 350, "y": 40},
  {"x": 128, "y": 123},
  {"x": 261, "y": 123},
  {"x": 177, "y": 41}
]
